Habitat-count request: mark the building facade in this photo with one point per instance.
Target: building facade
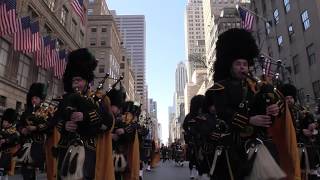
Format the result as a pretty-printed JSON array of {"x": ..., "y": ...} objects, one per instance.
[
  {"x": 194, "y": 35},
  {"x": 133, "y": 33},
  {"x": 18, "y": 70},
  {"x": 212, "y": 11},
  {"x": 127, "y": 73},
  {"x": 286, "y": 30},
  {"x": 98, "y": 7},
  {"x": 104, "y": 41}
]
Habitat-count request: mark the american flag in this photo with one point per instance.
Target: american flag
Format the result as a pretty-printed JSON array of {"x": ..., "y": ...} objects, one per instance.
[
  {"x": 54, "y": 53},
  {"x": 247, "y": 19},
  {"x": 60, "y": 65},
  {"x": 79, "y": 9},
  {"x": 47, "y": 58},
  {"x": 267, "y": 67},
  {"x": 38, "y": 55},
  {"x": 22, "y": 38},
  {"x": 8, "y": 20},
  {"x": 35, "y": 38}
]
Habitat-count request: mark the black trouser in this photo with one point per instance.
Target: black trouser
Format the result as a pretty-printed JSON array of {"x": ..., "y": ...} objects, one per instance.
[{"x": 28, "y": 172}]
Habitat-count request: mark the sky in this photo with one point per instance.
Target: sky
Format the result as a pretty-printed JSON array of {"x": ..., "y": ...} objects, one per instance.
[{"x": 164, "y": 47}]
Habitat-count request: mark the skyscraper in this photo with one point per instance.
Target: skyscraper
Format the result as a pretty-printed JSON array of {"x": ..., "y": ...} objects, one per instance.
[
  {"x": 194, "y": 34},
  {"x": 181, "y": 78},
  {"x": 133, "y": 33},
  {"x": 213, "y": 12}
]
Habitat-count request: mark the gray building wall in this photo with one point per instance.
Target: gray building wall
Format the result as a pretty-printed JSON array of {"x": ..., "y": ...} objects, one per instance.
[{"x": 291, "y": 36}]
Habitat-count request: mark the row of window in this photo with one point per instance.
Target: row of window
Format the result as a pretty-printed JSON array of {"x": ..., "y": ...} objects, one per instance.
[
  {"x": 304, "y": 18},
  {"x": 64, "y": 14},
  {"x": 3, "y": 103},
  {"x": 24, "y": 68}
]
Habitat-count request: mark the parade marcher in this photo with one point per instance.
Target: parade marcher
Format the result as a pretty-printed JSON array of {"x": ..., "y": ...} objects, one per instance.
[
  {"x": 33, "y": 127},
  {"x": 192, "y": 134},
  {"x": 145, "y": 141},
  {"x": 234, "y": 99},
  {"x": 119, "y": 141},
  {"x": 131, "y": 112},
  {"x": 164, "y": 153},
  {"x": 306, "y": 132},
  {"x": 81, "y": 121},
  {"x": 9, "y": 137}
]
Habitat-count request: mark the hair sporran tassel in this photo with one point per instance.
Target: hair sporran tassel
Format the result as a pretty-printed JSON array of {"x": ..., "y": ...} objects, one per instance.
[
  {"x": 73, "y": 164},
  {"x": 65, "y": 163}
]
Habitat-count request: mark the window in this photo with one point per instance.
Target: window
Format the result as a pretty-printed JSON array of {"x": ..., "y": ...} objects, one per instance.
[
  {"x": 73, "y": 26},
  {"x": 23, "y": 71},
  {"x": 305, "y": 20},
  {"x": 103, "y": 43},
  {"x": 286, "y": 4},
  {"x": 3, "y": 101},
  {"x": 92, "y": 43},
  {"x": 101, "y": 68},
  {"x": 91, "y": 1},
  {"x": 104, "y": 30},
  {"x": 90, "y": 11},
  {"x": 280, "y": 41},
  {"x": 316, "y": 88},
  {"x": 4, "y": 53},
  {"x": 276, "y": 16},
  {"x": 121, "y": 65},
  {"x": 93, "y": 29},
  {"x": 51, "y": 4},
  {"x": 311, "y": 54},
  {"x": 296, "y": 64},
  {"x": 41, "y": 75},
  {"x": 268, "y": 28},
  {"x": 290, "y": 32},
  {"x": 64, "y": 14}
]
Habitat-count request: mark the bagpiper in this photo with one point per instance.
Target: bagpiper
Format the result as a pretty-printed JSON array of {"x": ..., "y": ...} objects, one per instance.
[
  {"x": 33, "y": 127},
  {"x": 81, "y": 121},
  {"x": 250, "y": 110},
  {"x": 9, "y": 137},
  {"x": 306, "y": 131}
]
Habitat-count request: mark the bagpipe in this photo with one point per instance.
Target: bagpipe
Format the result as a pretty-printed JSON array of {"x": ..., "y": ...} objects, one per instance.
[
  {"x": 6, "y": 134},
  {"x": 39, "y": 117}
]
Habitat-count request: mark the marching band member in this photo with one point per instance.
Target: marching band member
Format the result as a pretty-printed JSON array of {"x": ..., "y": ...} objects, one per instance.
[
  {"x": 306, "y": 132},
  {"x": 9, "y": 137},
  {"x": 80, "y": 120},
  {"x": 192, "y": 133},
  {"x": 33, "y": 127},
  {"x": 117, "y": 97},
  {"x": 131, "y": 113},
  {"x": 233, "y": 98}
]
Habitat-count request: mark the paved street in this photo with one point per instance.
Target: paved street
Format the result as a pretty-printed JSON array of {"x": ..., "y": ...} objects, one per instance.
[
  {"x": 164, "y": 171},
  {"x": 169, "y": 171}
]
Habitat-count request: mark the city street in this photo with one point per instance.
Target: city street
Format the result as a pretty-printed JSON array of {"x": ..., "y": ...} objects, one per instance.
[
  {"x": 169, "y": 171},
  {"x": 164, "y": 171}
]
